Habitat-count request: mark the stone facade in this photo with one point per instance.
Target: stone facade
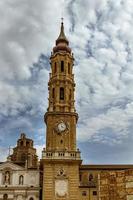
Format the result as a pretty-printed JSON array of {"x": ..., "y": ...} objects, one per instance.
[
  {"x": 106, "y": 182},
  {"x": 20, "y": 174},
  {"x": 18, "y": 183},
  {"x": 116, "y": 185}
]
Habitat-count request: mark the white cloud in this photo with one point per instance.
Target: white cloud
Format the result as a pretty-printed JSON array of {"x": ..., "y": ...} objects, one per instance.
[
  {"x": 116, "y": 119},
  {"x": 39, "y": 149},
  {"x": 3, "y": 154},
  {"x": 28, "y": 29},
  {"x": 106, "y": 73},
  {"x": 101, "y": 36}
]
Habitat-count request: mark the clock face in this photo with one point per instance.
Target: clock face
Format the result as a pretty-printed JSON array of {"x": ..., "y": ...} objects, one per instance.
[{"x": 61, "y": 126}]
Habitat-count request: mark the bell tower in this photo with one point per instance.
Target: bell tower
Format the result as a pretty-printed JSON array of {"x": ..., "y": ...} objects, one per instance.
[
  {"x": 61, "y": 159},
  {"x": 61, "y": 117}
]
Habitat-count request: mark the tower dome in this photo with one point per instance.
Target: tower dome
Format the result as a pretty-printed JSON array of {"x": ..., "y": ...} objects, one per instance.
[{"x": 62, "y": 43}]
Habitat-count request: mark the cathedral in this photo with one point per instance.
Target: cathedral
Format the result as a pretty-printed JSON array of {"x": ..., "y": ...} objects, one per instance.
[{"x": 60, "y": 174}]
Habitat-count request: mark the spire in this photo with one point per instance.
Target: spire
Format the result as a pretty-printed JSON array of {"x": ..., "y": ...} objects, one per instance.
[
  {"x": 62, "y": 43},
  {"x": 62, "y": 37}
]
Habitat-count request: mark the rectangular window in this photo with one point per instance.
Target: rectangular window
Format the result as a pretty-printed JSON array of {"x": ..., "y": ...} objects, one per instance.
[
  {"x": 94, "y": 193},
  {"x": 62, "y": 66},
  {"x": 61, "y": 93},
  {"x": 84, "y": 193}
]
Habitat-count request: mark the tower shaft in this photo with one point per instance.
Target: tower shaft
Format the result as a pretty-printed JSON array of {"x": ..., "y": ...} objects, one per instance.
[{"x": 61, "y": 159}]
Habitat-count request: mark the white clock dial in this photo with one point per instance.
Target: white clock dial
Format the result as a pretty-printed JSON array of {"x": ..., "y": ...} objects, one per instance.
[{"x": 61, "y": 126}]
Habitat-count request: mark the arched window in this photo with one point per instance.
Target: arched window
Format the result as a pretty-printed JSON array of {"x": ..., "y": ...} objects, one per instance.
[
  {"x": 5, "y": 197},
  {"x": 68, "y": 68},
  {"x": 62, "y": 66},
  {"x": 21, "y": 143},
  {"x": 61, "y": 141},
  {"x": 55, "y": 67},
  {"x": 27, "y": 143},
  {"x": 70, "y": 94},
  {"x": 61, "y": 93},
  {"x": 31, "y": 198},
  {"x": 90, "y": 177},
  {"x": 7, "y": 178},
  {"x": 21, "y": 180}
]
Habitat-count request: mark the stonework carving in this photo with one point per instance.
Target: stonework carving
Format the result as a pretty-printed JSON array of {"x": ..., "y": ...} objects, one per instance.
[
  {"x": 7, "y": 177},
  {"x": 61, "y": 173},
  {"x": 61, "y": 188}
]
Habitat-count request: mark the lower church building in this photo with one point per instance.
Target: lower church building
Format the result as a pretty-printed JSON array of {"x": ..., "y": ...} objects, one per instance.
[
  {"x": 20, "y": 174},
  {"x": 60, "y": 174}
]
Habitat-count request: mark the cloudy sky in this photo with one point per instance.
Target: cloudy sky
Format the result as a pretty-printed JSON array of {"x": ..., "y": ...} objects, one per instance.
[{"x": 101, "y": 36}]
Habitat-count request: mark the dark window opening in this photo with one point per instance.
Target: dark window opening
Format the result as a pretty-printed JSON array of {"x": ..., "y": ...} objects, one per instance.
[
  {"x": 68, "y": 68},
  {"x": 21, "y": 143},
  {"x": 61, "y": 141},
  {"x": 5, "y": 197},
  {"x": 90, "y": 177},
  {"x": 61, "y": 172},
  {"x": 53, "y": 93},
  {"x": 31, "y": 198},
  {"x": 21, "y": 180},
  {"x": 61, "y": 93},
  {"x": 55, "y": 68},
  {"x": 62, "y": 66},
  {"x": 70, "y": 95},
  {"x": 94, "y": 193},
  {"x": 84, "y": 193},
  {"x": 27, "y": 144}
]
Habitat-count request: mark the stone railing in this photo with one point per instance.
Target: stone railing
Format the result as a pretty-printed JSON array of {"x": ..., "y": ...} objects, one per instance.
[
  {"x": 73, "y": 155},
  {"x": 92, "y": 183}
]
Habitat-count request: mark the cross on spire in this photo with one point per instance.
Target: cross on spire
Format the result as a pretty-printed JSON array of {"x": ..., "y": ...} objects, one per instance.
[{"x": 62, "y": 19}]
